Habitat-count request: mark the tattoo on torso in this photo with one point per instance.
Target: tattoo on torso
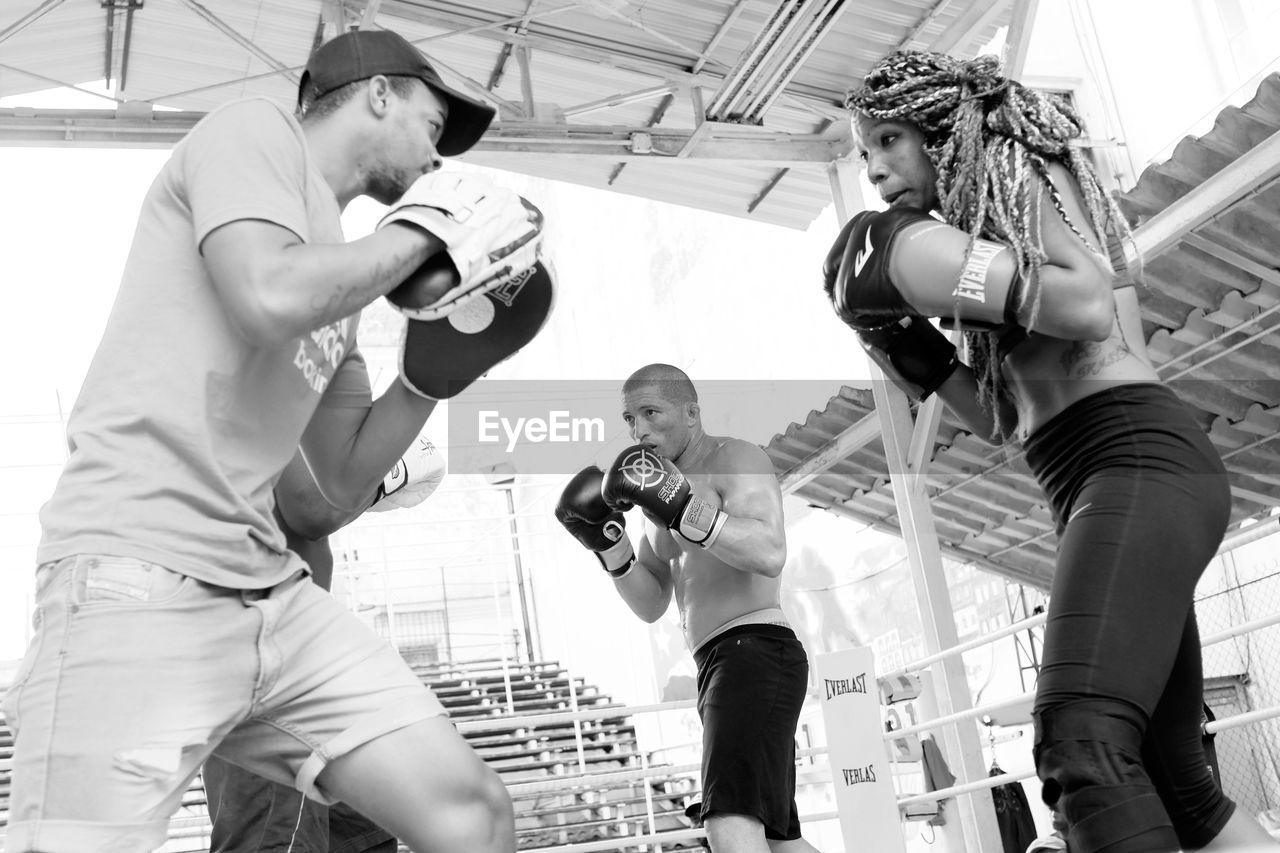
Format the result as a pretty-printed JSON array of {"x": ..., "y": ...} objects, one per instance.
[{"x": 1084, "y": 359}]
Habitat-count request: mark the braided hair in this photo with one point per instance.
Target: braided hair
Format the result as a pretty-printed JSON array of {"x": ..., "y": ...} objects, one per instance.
[{"x": 991, "y": 141}]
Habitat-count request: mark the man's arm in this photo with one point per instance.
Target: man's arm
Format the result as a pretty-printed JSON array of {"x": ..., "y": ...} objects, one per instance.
[
  {"x": 644, "y": 583},
  {"x": 349, "y": 450},
  {"x": 275, "y": 287},
  {"x": 753, "y": 537},
  {"x": 303, "y": 508},
  {"x": 647, "y": 587}
]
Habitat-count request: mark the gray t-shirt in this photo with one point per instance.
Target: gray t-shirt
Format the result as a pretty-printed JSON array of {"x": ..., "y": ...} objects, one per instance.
[{"x": 182, "y": 426}]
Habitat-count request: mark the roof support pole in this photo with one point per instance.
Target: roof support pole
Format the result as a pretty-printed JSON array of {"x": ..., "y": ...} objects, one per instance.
[
  {"x": 905, "y": 454},
  {"x": 977, "y": 829}
]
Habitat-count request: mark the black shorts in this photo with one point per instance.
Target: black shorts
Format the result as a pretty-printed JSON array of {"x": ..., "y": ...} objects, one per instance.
[
  {"x": 253, "y": 815},
  {"x": 752, "y": 681}
]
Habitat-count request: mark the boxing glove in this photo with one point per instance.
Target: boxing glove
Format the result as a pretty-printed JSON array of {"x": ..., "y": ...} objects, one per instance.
[
  {"x": 412, "y": 480},
  {"x": 640, "y": 477},
  {"x": 912, "y": 353},
  {"x": 948, "y": 274},
  {"x": 599, "y": 527},
  {"x": 440, "y": 358},
  {"x": 856, "y": 271},
  {"x": 490, "y": 235}
]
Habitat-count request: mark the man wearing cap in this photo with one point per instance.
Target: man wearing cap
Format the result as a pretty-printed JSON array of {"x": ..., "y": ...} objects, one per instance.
[{"x": 171, "y": 620}]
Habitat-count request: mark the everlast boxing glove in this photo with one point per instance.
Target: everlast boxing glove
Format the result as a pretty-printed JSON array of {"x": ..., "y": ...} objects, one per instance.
[
  {"x": 947, "y": 274},
  {"x": 642, "y": 478},
  {"x": 913, "y": 351},
  {"x": 856, "y": 272},
  {"x": 599, "y": 527}
]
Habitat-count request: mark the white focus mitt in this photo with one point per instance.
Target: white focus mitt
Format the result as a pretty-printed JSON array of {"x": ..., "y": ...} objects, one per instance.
[
  {"x": 411, "y": 480},
  {"x": 490, "y": 235}
]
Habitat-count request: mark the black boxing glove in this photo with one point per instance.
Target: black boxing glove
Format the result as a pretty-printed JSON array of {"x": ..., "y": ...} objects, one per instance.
[
  {"x": 856, "y": 272},
  {"x": 440, "y": 358},
  {"x": 599, "y": 527},
  {"x": 640, "y": 477},
  {"x": 912, "y": 353}
]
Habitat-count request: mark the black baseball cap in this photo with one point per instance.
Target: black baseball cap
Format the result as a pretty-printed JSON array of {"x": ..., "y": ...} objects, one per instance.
[{"x": 361, "y": 54}]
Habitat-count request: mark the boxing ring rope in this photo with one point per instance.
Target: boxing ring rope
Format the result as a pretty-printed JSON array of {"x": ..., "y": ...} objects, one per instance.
[
  {"x": 605, "y": 779},
  {"x": 509, "y": 722},
  {"x": 961, "y": 648},
  {"x": 812, "y": 775}
]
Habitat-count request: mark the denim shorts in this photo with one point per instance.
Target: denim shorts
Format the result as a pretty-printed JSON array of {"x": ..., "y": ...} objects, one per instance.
[{"x": 136, "y": 674}]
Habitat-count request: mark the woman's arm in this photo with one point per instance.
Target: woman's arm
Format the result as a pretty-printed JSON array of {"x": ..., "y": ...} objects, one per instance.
[{"x": 960, "y": 393}]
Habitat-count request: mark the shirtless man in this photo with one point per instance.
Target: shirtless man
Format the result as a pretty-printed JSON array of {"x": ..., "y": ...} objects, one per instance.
[{"x": 714, "y": 540}]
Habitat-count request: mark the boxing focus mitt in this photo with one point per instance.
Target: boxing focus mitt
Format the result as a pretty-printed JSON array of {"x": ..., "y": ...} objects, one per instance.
[
  {"x": 440, "y": 358},
  {"x": 490, "y": 235},
  {"x": 411, "y": 480}
]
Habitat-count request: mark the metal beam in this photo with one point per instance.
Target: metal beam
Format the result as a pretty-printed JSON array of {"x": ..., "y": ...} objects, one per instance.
[
  {"x": 665, "y": 143},
  {"x": 128, "y": 43},
  {"x": 1248, "y": 175},
  {"x": 1018, "y": 40},
  {"x": 919, "y": 28},
  {"x": 244, "y": 42},
  {"x": 1230, "y": 256},
  {"x": 721, "y": 32},
  {"x": 850, "y": 440},
  {"x": 29, "y": 18},
  {"x": 109, "y": 32},
  {"x": 769, "y": 92},
  {"x": 107, "y": 128},
  {"x": 58, "y": 84},
  {"x": 619, "y": 100},
  {"x": 333, "y": 20},
  {"x": 526, "y": 80},
  {"x": 370, "y": 12},
  {"x": 978, "y": 829},
  {"x": 94, "y": 128},
  {"x": 967, "y": 25},
  {"x": 824, "y": 104}
]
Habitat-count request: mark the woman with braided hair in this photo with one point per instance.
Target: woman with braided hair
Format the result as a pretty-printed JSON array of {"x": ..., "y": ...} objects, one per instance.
[{"x": 1017, "y": 256}]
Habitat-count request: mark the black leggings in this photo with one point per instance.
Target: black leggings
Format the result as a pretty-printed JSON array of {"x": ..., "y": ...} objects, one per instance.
[{"x": 1141, "y": 501}]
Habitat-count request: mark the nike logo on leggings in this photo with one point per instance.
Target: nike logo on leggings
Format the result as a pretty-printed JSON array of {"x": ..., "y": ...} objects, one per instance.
[{"x": 1077, "y": 511}]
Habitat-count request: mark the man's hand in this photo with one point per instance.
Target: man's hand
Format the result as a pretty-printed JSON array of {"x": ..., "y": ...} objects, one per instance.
[
  {"x": 411, "y": 480},
  {"x": 599, "y": 527},
  {"x": 490, "y": 235},
  {"x": 640, "y": 477}
]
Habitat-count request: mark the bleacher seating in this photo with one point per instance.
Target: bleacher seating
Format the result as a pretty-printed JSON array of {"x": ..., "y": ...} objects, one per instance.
[{"x": 481, "y": 691}]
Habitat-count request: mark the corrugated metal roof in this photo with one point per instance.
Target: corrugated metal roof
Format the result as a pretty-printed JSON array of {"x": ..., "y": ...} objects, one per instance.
[
  {"x": 193, "y": 56},
  {"x": 1211, "y": 312}
]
